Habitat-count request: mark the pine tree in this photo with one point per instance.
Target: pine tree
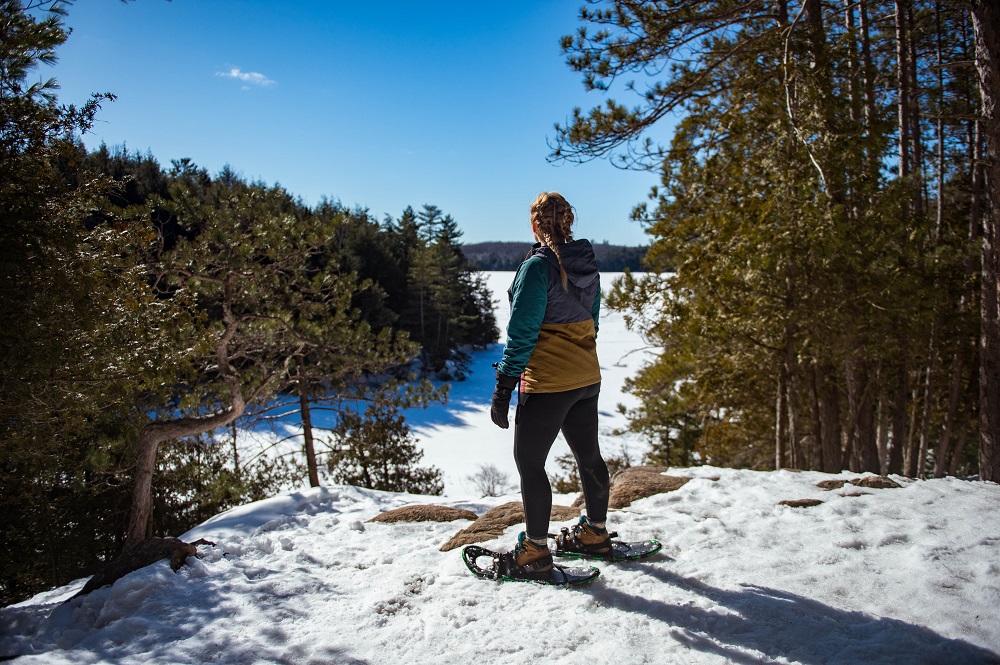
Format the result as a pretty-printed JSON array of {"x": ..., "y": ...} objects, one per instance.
[
  {"x": 374, "y": 449},
  {"x": 70, "y": 336},
  {"x": 805, "y": 290}
]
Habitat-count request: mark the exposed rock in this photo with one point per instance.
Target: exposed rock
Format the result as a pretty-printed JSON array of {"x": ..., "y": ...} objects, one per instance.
[
  {"x": 638, "y": 482},
  {"x": 144, "y": 554},
  {"x": 800, "y": 503},
  {"x": 493, "y": 523},
  {"x": 875, "y": 482},
  {"x": 871, "y": 482},
  {"x": 628, "y": 485},
  {"x": 856, "y": 494},
  {"x": 425, "y": 513}
]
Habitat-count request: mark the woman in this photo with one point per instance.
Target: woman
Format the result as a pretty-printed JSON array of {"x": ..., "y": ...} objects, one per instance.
[{"x": 551, "y": 352}]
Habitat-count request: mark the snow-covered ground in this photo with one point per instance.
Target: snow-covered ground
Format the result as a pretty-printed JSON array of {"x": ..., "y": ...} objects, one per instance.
[
  {"x": 904, "y": 576},
  {"x": 908, "y": 576}
]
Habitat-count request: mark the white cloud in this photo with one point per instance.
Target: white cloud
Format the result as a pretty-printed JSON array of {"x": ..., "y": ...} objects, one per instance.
[{"x": 253, "y": 78}]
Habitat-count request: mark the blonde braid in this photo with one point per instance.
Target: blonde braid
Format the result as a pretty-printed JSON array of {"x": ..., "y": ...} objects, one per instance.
[{"x": 553, "y": 216}]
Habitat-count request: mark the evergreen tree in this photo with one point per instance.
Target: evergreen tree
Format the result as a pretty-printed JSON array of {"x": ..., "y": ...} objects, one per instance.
[
  {"x": 449, "y": 306},
  {"x": 374, "y": 449},
  {"x": 802, "y": 290},
  {"x": 70, "y": 336}
]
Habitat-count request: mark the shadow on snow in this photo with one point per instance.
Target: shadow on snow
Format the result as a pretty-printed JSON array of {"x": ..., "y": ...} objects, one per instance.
[{"x": 779, "y": 624}]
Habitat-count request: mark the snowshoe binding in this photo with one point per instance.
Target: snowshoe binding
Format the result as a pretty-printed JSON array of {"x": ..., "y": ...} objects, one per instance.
[
  {"x": 527, "y": 562},
  {"x": 586, "y": 541}
]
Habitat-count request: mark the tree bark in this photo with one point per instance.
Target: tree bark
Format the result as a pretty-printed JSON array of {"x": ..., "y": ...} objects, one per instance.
[
  {"x": 818, "y": 461},
  {"x": 939, "y": 217},
  {"x": 794, "y": 445},
  {"x": 780, "y": 433},
  {"x": 791, "y": 411},
  {"x": 307, "y": 434},
  {"x": 861, "y": 436},
  {"x": 899, "y": 417},
  {"x": 155, "y": 433},
  {"x": 916, "y": 137},
  {"x": 925, "y": 417},
  {"x": 956, "y": 456},
  {"x": 869, "y": 74},
  {"x": 902, "y": 90},
  {"x": 943, "y": 451},
  {"x": 829, "y": 413},
  {"x": 986, "y": 23},
  {"x": 882, "y": 439},
  {"x": 236, "y": 454},
  {"x": 151, "y": 436}
]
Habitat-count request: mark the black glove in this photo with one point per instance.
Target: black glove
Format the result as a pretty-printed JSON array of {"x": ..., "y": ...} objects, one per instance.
[{"x": 501, "y": 399}]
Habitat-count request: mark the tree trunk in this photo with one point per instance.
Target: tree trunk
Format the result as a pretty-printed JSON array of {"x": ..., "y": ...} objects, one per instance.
[
  {"x": 939, "y": 218},
  {"x": 869, "y": 74},
  {"x": 151, "y": 436},
  {"x": 829, "y": 413},
  {"x": 943, "y": 452},
  {"x": 861, "y": 436},
  {"x": 925, "y": 418},
  {"x": 236, "y": 454},
  {"x": 794, "y": 445},
  {"x": 899, "y": 418},
  {"x": 882, "y": 440},
  {"x": 914, "y": 465},
  {"x": 791, "y": 410},
  {"x": 852, "y": 64},
  {"x": 157, "y": 432},
  {"x": 916, "y": 137},
  {"x": 902, "y": 90},
  {"x": 307, "y": 434},
  {"x": 956, "y": 457},
  {"x": 986, "y": 23},
  {"x": 780, "y": 432},
  {"x": 818, "y": 460}
]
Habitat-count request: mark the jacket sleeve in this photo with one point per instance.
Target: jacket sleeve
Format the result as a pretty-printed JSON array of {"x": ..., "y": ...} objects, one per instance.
[
  {"x": 527, "y": 311},
  {"x": 596, "y": 310}
]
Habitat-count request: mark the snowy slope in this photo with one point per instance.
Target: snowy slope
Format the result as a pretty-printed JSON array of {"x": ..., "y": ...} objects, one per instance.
[
  {"x": 904, "y": 576},
  {"x": 895, "y": 576}
]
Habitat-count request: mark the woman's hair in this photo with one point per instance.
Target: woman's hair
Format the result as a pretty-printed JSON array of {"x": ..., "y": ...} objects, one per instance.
[{"x": 552, "y": 216}]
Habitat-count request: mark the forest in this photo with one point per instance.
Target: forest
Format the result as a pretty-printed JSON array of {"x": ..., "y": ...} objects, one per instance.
[
  {"x": 822, "y": 275},
  {"x": 145, "y": 304}
]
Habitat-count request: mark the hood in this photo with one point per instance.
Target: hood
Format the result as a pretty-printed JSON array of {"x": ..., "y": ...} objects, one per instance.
[{"x": 578, "y": 260}]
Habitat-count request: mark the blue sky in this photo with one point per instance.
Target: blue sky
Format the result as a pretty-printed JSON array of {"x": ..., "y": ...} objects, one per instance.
[{"x": 376, "y": 104}]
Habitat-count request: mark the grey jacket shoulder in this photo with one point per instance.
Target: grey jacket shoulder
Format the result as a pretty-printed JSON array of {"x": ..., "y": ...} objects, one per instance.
[
  {"x": 578, "y": 259},
  {"x": 583, "y": 277}
]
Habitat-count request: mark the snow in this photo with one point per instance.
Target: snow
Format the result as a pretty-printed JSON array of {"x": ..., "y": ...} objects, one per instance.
[{"x": 908, "y": 576}]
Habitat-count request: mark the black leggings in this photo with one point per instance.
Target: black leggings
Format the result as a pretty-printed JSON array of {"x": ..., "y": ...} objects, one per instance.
[{"x": 538, "y": 419}]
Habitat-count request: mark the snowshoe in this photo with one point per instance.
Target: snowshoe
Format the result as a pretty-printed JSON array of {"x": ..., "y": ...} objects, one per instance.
[
  {"x": 503, "y": 568},
  {"x": 585, "y": 541}
]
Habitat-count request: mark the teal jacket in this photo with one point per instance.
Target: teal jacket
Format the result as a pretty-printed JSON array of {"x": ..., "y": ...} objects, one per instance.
[{"x": 552, "y": 334}]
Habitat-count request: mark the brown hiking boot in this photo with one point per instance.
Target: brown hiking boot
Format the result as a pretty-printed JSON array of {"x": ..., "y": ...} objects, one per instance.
[
  {"x": 530, "y": 557},
  {"x": 585, "y": 538}
]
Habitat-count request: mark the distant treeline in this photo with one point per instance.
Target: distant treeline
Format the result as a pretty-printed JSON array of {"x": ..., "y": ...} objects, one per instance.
[{"x": 509, "y": 255}]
